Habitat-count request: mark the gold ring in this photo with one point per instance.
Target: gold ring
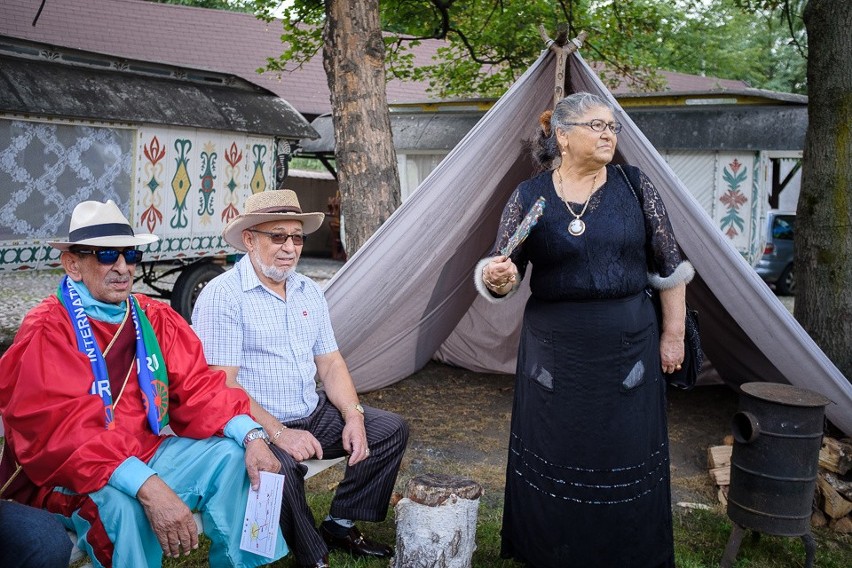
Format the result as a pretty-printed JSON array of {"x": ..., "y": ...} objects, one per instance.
[{"x": 678, "y": 367}]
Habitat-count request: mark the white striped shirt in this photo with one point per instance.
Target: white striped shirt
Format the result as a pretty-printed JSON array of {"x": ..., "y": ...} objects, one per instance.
[{"x": 273, "y": 341}]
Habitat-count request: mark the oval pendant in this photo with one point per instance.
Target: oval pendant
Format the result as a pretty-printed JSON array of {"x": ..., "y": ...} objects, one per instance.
[{"x": 576, "y": 227}]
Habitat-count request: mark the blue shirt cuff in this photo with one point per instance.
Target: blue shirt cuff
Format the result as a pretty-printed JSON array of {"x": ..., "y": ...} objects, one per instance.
[
  {"x": 130, "y": 475},
  {"x": 238, "y": 426}
]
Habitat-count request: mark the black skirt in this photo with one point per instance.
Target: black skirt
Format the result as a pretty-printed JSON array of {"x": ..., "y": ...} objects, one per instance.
[{"x": 587, "y": 481}]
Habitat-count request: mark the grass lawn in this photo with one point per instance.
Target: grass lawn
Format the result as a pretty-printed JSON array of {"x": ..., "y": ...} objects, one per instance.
[
  {"x": 700, "y": 539},
  {"x": 459, "y": 426}
]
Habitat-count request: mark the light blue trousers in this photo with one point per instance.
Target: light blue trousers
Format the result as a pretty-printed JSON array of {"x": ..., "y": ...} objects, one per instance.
[{"x": 210, "y": 477}]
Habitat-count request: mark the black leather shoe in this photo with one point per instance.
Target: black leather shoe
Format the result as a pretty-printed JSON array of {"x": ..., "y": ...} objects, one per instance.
[
  {"x": 355, "y": 544},
  {"x": 321, "y": 563}
]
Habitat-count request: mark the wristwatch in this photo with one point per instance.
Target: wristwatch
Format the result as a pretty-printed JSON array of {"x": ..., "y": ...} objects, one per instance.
[
  {"x": 256, "y": 434},
  {"x": 356, "y": 406}
]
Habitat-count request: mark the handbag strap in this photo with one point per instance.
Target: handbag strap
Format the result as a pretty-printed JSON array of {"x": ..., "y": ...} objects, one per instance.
[
  {"x": 639, "y": 197},
  {"x": 631, "y": 186}
]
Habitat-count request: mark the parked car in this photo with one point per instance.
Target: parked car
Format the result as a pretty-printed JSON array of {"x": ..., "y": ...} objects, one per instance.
[{"x": 776, "y": 264}]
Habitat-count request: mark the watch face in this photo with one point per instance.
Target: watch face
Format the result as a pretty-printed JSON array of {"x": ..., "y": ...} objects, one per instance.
[
  {"x": 356, "y": 407},
  {"x": 256, "y": 434}
]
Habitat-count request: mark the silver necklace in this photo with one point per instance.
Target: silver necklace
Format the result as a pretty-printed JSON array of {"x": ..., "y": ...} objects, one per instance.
[{"x": 577, "y": 226}]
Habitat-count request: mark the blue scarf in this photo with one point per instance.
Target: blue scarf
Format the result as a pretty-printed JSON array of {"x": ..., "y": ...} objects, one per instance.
[{"x": 101, "y": 311}]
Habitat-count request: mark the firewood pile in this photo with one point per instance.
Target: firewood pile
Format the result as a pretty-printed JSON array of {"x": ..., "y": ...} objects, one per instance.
[
  {"x": 833, "y": 497},
  {"x": 719, "y": 463}
]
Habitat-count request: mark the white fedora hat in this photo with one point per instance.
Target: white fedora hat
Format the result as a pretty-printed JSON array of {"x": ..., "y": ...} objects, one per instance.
[
  {"x": 273, "y": 205},
  {"x": 101, "y": 225}
]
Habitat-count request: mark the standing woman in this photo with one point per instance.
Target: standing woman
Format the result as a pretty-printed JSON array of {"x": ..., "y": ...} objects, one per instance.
[{"x": 587, "y": 481}]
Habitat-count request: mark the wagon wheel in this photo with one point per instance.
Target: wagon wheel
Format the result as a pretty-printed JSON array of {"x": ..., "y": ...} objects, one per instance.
[{"x": 190, "y": 283}]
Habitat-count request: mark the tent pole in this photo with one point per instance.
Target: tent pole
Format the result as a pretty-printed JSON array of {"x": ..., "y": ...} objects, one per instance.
[{"x": 562, "y": 49}]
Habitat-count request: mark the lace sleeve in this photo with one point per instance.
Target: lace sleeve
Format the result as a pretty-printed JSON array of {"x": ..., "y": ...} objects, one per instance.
[
  {"x": 664, "y": 256},
  {"x": 513, "y": 214}
]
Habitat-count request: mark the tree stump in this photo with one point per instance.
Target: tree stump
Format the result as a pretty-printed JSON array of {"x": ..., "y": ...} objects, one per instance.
[{"x": 436, "y": 522}]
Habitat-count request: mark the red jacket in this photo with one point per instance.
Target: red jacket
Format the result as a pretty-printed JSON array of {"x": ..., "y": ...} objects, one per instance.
[{"x": 56, "y": 428}]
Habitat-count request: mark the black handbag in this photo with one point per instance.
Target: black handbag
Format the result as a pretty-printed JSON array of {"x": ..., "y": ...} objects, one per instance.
[{"x": 693, "y": 356}]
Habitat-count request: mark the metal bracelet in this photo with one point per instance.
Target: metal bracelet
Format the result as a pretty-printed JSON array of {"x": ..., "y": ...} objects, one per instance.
[
  {"x": 278, "y": 433},
  {"x": 494, "y": 285}
]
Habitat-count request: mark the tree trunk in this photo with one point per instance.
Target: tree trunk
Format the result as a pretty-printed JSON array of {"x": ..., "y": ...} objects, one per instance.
[
  {"x": 436, "y": 522},
  {"x": 824, "y": 212},
  {"x": 354, "y": 61}
]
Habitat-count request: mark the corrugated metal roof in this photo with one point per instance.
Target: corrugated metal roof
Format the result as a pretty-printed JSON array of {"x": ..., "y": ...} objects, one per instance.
[
  {"x": 734, "y": 127},
  {"x": 739, "y": 96},
  {"x": 51, "y": 88},
  {"x": 411, "y": 131},
  {"x": 705, "y": 127}
]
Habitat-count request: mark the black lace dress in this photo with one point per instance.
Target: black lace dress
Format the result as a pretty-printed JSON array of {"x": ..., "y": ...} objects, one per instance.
[{"x": 587, "y": 481}]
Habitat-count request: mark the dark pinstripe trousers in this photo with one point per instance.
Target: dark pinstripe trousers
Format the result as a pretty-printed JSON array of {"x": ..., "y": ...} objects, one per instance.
[{"x": 364, "y": 494}]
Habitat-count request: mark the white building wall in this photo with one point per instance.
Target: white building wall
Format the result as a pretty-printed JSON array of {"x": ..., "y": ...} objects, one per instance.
[{"x": 730, "y": 188}]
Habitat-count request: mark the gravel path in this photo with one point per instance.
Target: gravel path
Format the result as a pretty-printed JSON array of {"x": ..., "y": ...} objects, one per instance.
[{"x": 20, "y": 291}]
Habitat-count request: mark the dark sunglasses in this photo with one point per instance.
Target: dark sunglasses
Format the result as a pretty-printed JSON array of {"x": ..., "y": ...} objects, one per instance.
[
  {"x": 110, "y": 256},
  {"x": 281, "y": 238}
]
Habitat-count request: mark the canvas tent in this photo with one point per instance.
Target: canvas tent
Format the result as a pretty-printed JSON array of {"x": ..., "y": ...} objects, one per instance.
[{"x": 407, "y": 295}]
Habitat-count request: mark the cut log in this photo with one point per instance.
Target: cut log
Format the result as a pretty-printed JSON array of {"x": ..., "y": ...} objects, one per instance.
[
  {"x": 842, "y": 486},
  {"x": 721, "y": 476},
  {"x": 719, "y": 456},
  {"x": 843, "y": 526},
  {"x": 436, "y": 522},
  {"x": 723, "y": 496},
  {"x": 834, "y": 505},
  {"x": 835, "y": 456},
  {"x": 818, "y": 518}
]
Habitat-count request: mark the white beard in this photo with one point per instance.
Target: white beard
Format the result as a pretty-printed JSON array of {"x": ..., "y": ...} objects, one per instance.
[{"x": 275, "y": 274}]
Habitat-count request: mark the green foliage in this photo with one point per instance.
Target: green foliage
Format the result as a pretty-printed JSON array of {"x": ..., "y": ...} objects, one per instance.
[
  {"x": 490, "y": 43},
  {"x": 302, "y": 25},
  {"x": 756, "y": 42},
  {"x": 232, "y": 5},
  {"x": 310, "y": 164}
]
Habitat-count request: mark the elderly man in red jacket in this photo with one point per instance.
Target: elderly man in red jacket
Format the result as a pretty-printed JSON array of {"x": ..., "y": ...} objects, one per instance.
[{"x": 93, "y": 377}]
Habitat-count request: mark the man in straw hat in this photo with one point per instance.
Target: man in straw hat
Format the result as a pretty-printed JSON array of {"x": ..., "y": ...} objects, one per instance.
[
  {"x": 93, "y": 377},
  {"x": 268, "y": 328}
]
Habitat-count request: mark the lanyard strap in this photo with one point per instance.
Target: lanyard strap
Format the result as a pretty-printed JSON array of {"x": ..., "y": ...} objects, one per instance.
[
  {"x": 150, "y": 367},
  {"x": 88, "y": 346},
  {"x": 151, "y": 370}
]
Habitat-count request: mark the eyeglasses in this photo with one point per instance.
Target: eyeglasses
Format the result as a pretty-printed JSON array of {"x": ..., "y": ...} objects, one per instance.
[
  {"x": 110, "y": 256},
  {"x": 281, "y": 238},
  {"x": 599, "y": 125}
]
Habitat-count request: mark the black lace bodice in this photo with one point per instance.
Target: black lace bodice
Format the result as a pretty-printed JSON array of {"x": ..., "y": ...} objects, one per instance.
[{"x": 609, "y": 260}]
